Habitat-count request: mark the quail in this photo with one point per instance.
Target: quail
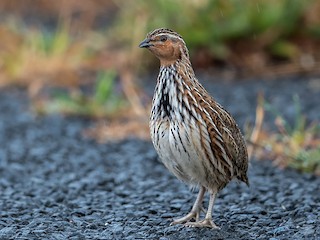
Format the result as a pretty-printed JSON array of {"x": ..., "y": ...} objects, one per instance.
[{"x": 196, "y": 139}]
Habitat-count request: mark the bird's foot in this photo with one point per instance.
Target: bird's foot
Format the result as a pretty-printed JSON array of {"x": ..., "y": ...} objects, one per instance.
[
  {"x": 203, "y": 223},
  {"x": 187, "y": 218}
]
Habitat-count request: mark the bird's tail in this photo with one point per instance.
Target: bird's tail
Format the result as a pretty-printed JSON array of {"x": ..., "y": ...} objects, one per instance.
[{"x": 244, "y": 178}]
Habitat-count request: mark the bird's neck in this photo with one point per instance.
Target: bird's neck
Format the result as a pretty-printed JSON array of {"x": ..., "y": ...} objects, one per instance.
[
  {"x": 181, "y": 69},
  {"x": 173, "y": 82}
]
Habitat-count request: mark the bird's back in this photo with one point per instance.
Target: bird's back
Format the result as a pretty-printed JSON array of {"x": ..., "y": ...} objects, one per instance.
[{"x": 232, "y": 142}]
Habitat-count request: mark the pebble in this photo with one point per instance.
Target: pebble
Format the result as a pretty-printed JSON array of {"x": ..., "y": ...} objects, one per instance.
[{"x": 280, "y": 230}]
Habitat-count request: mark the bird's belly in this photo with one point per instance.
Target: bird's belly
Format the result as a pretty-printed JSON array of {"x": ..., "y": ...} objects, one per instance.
[{"x": 178, "y": 148}]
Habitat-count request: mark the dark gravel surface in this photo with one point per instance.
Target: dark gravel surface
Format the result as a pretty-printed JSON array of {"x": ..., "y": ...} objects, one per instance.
[{"x": 55, "y": 184}]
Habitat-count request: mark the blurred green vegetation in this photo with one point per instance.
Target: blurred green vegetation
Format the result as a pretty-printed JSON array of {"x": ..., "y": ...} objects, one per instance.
[
  {"x": 295, "y": 145},
  {"x": 29, "y": 53},
  {"x": 49, "y": 41},
  {"x": 229, "y": 30},
  {"x": 105, "y": 99},
  {"x": 255, "y": 36}
]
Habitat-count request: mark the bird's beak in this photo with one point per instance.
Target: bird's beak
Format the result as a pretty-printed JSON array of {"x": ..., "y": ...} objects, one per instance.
[{"x": 145, "y": 43}]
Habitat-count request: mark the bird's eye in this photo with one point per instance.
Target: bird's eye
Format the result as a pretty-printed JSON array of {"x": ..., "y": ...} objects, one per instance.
[{"x": 163, "y": 38}]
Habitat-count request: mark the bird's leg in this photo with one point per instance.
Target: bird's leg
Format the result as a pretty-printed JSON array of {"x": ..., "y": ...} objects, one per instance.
[
  {"x": 195, "y": 211},
  {"x": 207, "y": 221}
]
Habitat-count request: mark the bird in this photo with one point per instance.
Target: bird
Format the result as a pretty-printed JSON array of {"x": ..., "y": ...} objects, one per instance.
[{"x": 196, "y": 139}]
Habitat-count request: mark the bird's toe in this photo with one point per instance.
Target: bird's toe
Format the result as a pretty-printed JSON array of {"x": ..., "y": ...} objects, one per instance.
[{"x": 204, "y": 223}]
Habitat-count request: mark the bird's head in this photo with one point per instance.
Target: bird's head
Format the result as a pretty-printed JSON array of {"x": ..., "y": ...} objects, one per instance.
[{"x": 166, "y": 45}]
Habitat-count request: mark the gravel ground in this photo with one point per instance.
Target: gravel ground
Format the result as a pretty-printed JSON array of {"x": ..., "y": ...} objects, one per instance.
[{"x": 55, "y": 184}]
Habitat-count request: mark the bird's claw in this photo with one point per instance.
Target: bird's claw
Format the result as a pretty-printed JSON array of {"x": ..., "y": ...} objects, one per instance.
[
  {"x": 203, "y": 223},
  {"x": 187, "y": 218}
]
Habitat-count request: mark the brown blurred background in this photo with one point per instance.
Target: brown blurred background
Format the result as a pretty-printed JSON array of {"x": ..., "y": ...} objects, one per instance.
[{"x": 44, "y": 39}]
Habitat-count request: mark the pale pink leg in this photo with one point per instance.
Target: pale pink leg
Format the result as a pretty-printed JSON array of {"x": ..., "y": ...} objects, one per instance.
[
  {"x": 207, "y": 221},
  {"x": 195, "y": 211}
]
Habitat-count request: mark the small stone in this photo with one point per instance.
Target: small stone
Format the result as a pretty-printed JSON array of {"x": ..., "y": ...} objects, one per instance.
[
  {"x": 281, "y": 230},
  {"x": 167, "y": 215},
  {"x": 308, "y": 231}
]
